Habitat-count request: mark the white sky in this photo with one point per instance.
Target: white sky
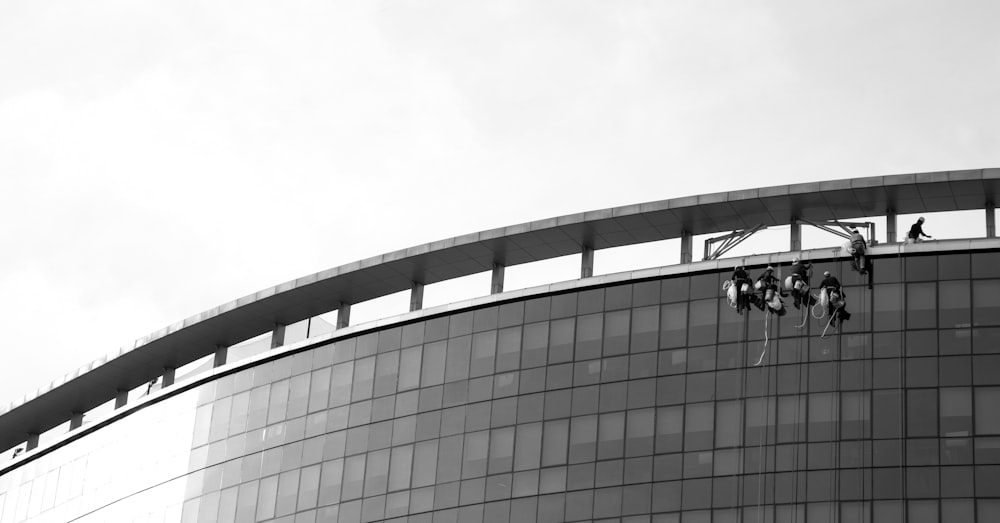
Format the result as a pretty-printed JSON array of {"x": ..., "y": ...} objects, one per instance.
[{"x": 160, "y": 158}]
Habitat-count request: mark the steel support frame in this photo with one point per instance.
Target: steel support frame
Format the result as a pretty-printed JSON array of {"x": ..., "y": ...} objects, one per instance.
[
  {"x": 728, "y": 241},
  {"x": 845, "y": 233}
]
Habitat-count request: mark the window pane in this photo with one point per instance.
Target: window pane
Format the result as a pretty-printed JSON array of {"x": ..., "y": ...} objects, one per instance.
[
  {"x": 673, "y": 325},
  {"x": 611, "y": 436},
  {"x": 728, "y": 422},
  {"x": 554, "y": 440},
  {"x": 921, "y": 305},
  {"x": 698, "y": 426},
  {"x": 987, "y": 421},
  {"x": 484, "y": 346},
  {"x": 986, "y": 302},
  {"x": 702, "y": 322},
  {"x": 616, "y": 332},
  {"x": 954, "y": 301},
  {"x": 529, "y": 446},
  {"x": 433, "y": 364},
  {"x": 535, "y": 345},
  {"x": 640, "y": 432},
  {"x": 409, "y": 368},
  {"x": 588, "y": 336},
  {"x": 582, "y": 439}
]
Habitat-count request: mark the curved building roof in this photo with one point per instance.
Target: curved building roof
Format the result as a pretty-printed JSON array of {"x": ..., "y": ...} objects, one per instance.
[{"x": 363, "y": 280}]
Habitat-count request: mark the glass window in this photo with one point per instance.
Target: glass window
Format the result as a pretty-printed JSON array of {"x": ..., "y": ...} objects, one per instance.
[
  {"x": 511, "y": 314},
  {"x": 484, "y": 346},
  {"x": 308, "y": 488},
  {"x": 564, "y": 305},
  {"x": 611, "y": 436},
  {"x": 459, "y": 351},
  {"x": 528, "y": 447},
  {"x": 728, "y": 422},
  {"x": 436, "y": 329},
  {"x": 954, "y": 301},
  {"x": 400, "y": 467},
  {"x": 673, "y": 325},
  {"x": 354, "y": 477},
  {"x": 855, "y": 415},
  {"x": 614, "y": 369},
  {"x": 953, "y": 266},
  {"x": 956, "y": 411},
  {"x": 921, "y": 305},
  {"x": 700, "y": 387},
  {"x": 702, "y": 322},
  {"x": 699, "y": 419},
  {"x": 588, "y": 336},
  {"x": 501, "y": 457},
  {"x": 642, "y": 365},
  {"x": 386, "y": 373},
  {"x": 485, "y": 319},
  {"x": 535, "y": 344},
  {"x": 922, "y": 412},
  {"x": 985, "y": 265},
  {"x": 508, "y": 349},
  {"x": 278, "y": 407},
  {"x": 616, "y": 332},
  {"x": 887, "y": 307},
  {"x": 537, "y": 309},
  {"x": 618, "y": 297},
  {"x": 640, "y": 432},
  {"x": 987, "y": 399},
  {"x": 762, "y": 412},
  {"x": 433, "y": 364},
  {"x": 886, "y": 414},
  {"x": 409, "y": 368},
  {"x": 645, "y": 329},
  {"x": 425, "y": 457},
  {"x": 554, "y": 439},
  {"x": 986, "y": 302},
  {"x": 474, "y": 461},
  {"x": 705, "y": 285},
  {"x": 585, "y": 400},
  {"x": 377, "y": 473},
  {"x": 561, "y": 340},
  {"x": 449, "y": 465},
  {"x": 589, "y": 301},
  {"x": 921, "y": 268},
  {"x": 413, "y": 334},
  {"x": 582, "y": 439}
]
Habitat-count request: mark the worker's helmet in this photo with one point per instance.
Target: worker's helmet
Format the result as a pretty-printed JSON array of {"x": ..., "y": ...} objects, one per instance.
[
  {"x": 921, "y": 219},
  {"x": 826, "y": 273},
  {"x": 794, "y": 261},
  {"x": 770, "y": 268},
  {"x": 854, "y": 231}
]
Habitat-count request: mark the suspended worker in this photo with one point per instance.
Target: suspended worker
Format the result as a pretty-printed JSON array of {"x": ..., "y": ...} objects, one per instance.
[
  {"x": 741, "y": 283},
  {"x": 767, "y": 284},
  {"x": 799, "y": 281},
  {"x": 916, "y": 231},
  {"x": 859, "y": 247},
  {"x": 832, "y": 295}
]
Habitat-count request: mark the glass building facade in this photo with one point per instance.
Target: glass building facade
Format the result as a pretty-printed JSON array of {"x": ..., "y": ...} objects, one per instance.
[{"x": 634, "y": 402}]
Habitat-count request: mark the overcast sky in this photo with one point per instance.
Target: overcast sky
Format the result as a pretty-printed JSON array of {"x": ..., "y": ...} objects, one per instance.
[{"x": 160, "y": 158}]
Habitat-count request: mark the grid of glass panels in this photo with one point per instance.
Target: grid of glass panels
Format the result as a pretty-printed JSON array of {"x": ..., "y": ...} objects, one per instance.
[{"x": 635, "y": 402}]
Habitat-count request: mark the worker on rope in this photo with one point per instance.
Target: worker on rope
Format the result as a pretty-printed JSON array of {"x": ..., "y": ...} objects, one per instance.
[
  {"x": 858, "y": 249},
  {"x": 767, "y": 285},
  {"x": 832, "y": 296},
  {"x": 916, "y": 231},
  {"x": 798, "y": 282},
  {"x": 739, "y": 291}
]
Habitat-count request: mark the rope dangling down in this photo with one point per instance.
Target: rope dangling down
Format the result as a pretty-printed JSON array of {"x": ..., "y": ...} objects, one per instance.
[
  {"x": 766, "y": 318},
  {"x": 804, "y": 314},
  {"x": 830, "y": 322},
  {"x": 822, "y": 308}
]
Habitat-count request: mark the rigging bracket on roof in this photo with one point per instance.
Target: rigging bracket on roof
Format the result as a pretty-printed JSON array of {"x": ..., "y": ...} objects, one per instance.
[
  {"x": 845, "y": 232},
  {"x": 728, "y": 241}
]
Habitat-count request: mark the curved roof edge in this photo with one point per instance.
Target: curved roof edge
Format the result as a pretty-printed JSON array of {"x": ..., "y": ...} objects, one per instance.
[{"x": 292, "y": 301}]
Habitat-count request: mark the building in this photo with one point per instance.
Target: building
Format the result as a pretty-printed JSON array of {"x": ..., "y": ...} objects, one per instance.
[{"x": 631, "y": 397}]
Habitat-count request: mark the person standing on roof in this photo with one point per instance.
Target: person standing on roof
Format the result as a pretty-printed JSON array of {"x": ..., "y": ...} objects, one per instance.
[
  {"x": 916, "y": 231},
  {"x": 860, "y": 247}
]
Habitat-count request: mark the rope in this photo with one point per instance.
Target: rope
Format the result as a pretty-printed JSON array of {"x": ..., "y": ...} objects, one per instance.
[
  {"x": 804, "y": 314},
  {"x": 767, "y": 316}
]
